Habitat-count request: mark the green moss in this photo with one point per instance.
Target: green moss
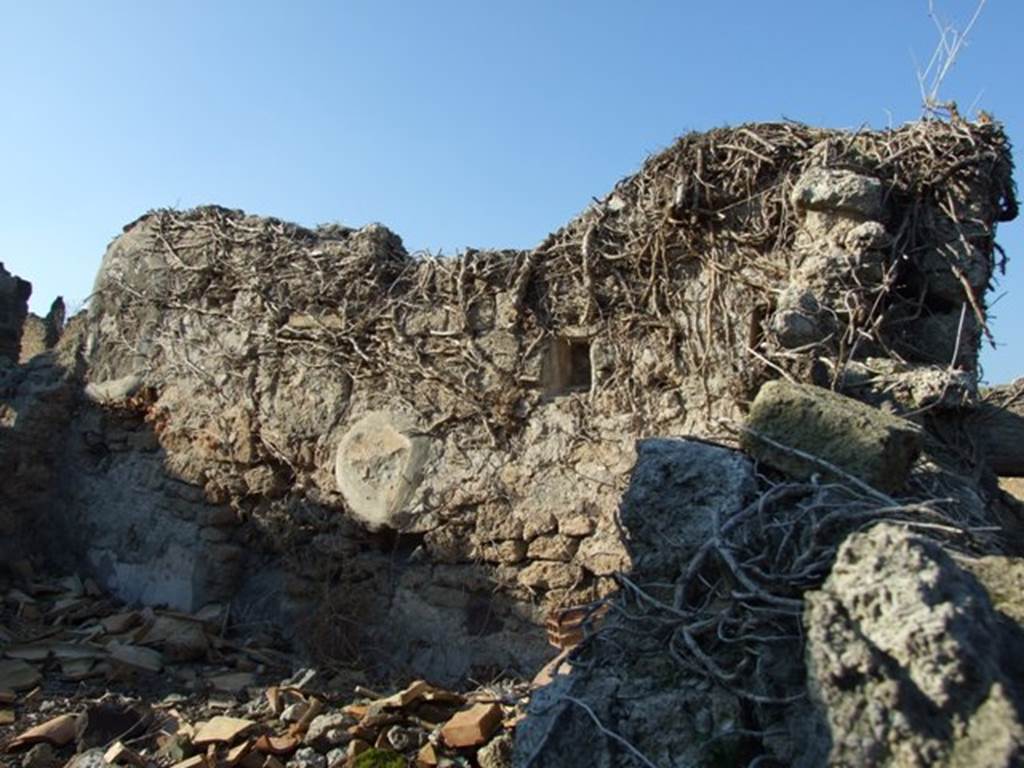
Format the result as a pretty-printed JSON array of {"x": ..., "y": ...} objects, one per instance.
[{"x": 379, "y": 758}]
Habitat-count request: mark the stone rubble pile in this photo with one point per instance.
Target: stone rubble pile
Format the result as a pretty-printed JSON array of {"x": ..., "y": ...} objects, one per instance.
[{"x": 86, "y": 682}]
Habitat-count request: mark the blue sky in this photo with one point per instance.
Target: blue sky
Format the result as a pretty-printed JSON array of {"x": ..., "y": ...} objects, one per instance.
[{"x": 455, "y": 123}]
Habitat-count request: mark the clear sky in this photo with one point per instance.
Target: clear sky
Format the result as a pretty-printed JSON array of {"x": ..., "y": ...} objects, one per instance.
[{"x": 454, "y": 123}]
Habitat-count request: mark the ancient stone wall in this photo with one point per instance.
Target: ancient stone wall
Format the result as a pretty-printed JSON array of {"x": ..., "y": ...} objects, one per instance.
[{"x": 416, "y": 458}]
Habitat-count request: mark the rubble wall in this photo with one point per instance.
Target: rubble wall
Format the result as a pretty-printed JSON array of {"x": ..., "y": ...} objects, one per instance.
[{"x": 422, "y": 456}]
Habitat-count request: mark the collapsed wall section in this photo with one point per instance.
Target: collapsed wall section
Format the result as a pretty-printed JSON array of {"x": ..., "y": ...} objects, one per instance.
[{"x": 432, "y": 450}]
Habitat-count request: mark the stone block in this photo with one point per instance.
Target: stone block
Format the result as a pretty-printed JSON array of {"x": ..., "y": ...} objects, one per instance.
[
  {"x": 378, "y": 467},
  {"x": 825, "y": 189},
  {"x": 869, "y": 444}
]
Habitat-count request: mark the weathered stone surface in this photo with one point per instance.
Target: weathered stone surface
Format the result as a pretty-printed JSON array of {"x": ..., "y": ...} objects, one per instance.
[
  {"x": 497, "y": 753},
  {"x": 114, "y": 390},
  {"x": 327, "y": 732},
  {"x": 676, "y": 490},
  {"x": 876, "y": 447},
  {"x": 909, "y": 660},
  {"x": 825, "y": 189},
  {"x": 378, "y": 468}
]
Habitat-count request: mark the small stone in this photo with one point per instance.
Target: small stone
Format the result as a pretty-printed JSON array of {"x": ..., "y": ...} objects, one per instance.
[
  {"x": 508, "y": 552},
  {"x": 336, "y": 758},
  {"x": 578, "y": 525},
  {"x": 496, "y": 754},
  {"x": 560, "y": 548},
  {"x": 307, "y": 757},
  {"x": 404, "y": 739},
  {"x": 327, "y": 732},
  {"x": 824, "y": 189},
  {"x": 40, "y": 756},
  {"x": 91, "y": 759},
  {"x": 547, "y": 574},
  {"x": 539, "y": 524},
  {"x": 294, "y": 712}
]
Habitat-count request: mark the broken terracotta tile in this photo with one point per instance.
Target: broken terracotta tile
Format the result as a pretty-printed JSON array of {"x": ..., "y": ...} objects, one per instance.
[
  {"x": 29, "y": 612},
  {"x": 17, "y": 675},
  {"x": 357, "y": 711},
  {"x": 6, "y": 717},
  {"x": 276, "y": 745},
  {"x": 414, "y": 691},
  {"x": 315, "y": 708},
  {"x": 557, "y": 666},
  {"x": 426, "y": 757},
  {"x": 472, "y": 727},
  {"x": 56, "y": 732},
  {"x": 119, "y": 754},
  {"x": 274, "y": 700},
  {"x": 222, "y": 729},
  {"x": 237, "y": 753}
]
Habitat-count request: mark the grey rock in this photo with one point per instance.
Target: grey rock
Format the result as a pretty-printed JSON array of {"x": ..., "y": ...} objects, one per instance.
[
  {"x": 867, "y": 236},
  {"x": 909, "y": 661},
  {"x": 91, "y": 759},
  {"x": 293, "y": 712},
  {"x": 306, "y": 757},
  {"x": 874, "y": 446},
  {"x": 40, "y": 756},
  {"x": 677, "y": 489},
  {"x": 842, "y": 191}
]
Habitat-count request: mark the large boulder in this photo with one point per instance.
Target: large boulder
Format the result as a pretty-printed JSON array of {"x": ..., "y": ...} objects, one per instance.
[
  {"x": 790, "y": 422},
  {"x": 909, "y": 660}
]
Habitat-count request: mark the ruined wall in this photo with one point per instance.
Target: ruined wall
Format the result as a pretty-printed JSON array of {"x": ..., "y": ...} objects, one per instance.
[
  {"x": 14, "y": 295},
  {"x": 430, "y": 451}
]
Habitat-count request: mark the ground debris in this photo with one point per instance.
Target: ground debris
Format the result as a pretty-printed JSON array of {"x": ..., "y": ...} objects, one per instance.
[{"x": 142, "y": 696}]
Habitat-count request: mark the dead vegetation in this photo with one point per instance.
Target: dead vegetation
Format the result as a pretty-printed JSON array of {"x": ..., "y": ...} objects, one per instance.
[{"x": 692, "y": 250}]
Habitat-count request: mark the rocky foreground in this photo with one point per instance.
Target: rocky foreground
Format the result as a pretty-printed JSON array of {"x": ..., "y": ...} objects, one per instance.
[{"x": 86, "y": 682}]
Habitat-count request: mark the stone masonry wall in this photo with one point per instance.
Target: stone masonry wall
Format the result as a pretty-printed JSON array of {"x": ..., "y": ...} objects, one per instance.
[{"x": 417, "y": 458}]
